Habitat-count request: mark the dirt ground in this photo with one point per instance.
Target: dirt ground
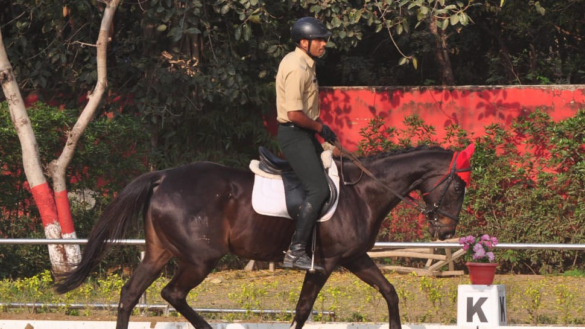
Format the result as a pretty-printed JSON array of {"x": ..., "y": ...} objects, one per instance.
[{"x": 531, "y": 299}]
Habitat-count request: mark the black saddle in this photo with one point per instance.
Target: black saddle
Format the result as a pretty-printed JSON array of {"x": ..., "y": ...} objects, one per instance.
[{"x": 293, "y": 190}]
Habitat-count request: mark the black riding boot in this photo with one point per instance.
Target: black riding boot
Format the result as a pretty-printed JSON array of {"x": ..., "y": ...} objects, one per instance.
[{"x": 296, "y": 256}]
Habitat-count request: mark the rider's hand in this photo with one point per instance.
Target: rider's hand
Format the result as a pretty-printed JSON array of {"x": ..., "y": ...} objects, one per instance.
[{"x": 328, "y": 134}]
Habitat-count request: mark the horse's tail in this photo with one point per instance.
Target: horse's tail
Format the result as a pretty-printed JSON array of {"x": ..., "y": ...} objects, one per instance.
[{"x": 117, "y": 219}]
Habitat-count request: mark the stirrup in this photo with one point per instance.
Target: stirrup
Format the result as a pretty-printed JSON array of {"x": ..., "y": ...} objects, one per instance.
[{"x": 301, "y": 262}]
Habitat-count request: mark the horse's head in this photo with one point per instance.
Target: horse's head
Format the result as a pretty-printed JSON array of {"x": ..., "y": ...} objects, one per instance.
[{"x": 444, "y": 194}]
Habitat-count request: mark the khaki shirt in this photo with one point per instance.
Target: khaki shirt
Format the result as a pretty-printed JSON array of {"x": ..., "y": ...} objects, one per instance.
[{"x": 296, "y": 86}]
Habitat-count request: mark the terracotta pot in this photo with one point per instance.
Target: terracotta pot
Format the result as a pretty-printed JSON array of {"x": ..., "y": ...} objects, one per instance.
[{"x": 481, "y": 273}]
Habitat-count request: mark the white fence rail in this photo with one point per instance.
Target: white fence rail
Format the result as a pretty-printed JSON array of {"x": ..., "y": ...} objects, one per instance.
[{"x": 385, "y": 245}]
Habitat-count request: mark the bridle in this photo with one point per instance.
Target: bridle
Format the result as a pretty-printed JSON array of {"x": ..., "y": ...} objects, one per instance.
[
  {"x": 430, "y": 212},
  {"x": 435, "y": 209}
]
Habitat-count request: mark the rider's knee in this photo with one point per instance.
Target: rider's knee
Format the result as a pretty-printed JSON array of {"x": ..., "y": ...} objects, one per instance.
[{"x": 321, "y": 194}]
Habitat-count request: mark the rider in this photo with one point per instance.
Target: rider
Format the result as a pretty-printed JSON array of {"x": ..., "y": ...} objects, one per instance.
[{"x": 297, "y": 103}]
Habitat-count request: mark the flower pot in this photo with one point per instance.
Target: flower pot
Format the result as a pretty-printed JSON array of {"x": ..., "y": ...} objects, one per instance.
[{"x": 481, "y": 273}]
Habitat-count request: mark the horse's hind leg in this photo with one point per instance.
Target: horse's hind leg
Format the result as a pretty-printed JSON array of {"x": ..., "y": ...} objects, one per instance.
[
  {"x": 311, "y": 287},
  {"x": 146, "y": 272},
  {"x": 365, "y": 269},
  {"x": 188, "y": 277}
]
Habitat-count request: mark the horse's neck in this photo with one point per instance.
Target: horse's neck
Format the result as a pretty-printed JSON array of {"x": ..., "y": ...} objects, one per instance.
[
  {"x": 401, "y": 173},
  {"x": 402, "y": 170}
]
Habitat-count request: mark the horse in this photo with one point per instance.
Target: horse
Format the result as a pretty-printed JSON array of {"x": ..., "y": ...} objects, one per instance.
[{"x": 199, "y": 212}]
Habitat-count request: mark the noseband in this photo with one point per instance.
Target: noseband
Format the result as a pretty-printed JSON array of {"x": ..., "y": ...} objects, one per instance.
[{"x": 423, "y": 209}]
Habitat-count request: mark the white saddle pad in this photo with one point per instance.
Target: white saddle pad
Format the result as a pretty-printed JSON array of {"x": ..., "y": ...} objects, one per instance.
[{"x": 268, "y": 194}]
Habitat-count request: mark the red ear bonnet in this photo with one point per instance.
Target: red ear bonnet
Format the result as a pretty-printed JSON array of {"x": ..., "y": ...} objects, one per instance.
[{"x": 462, "y": 166}]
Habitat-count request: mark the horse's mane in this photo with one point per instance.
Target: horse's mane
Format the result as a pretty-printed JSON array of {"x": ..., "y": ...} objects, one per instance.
[{"x": 400, "y": 151}]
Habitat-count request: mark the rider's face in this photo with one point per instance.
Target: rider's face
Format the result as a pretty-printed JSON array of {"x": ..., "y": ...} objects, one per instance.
[{"x": 317, "y": 46}]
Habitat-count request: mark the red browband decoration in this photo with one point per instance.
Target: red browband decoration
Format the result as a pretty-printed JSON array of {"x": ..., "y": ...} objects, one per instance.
[{"x": 462, "y": 165}]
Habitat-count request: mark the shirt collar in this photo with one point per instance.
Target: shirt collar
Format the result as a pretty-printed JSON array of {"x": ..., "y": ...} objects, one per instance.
[{"x": 303, "y": 54}]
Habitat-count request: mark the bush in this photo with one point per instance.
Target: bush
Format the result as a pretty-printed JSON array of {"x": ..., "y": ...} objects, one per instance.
[
  {"x": 527, "y": 187},
  {"x": 108, "y": 154}
]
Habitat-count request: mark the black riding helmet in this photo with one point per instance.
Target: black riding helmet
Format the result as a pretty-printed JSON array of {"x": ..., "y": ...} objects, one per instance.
[{"x": 309, "y": 28}]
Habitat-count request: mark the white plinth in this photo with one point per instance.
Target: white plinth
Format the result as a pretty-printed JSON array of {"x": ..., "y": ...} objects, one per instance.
[{"x": 481, "y": 306}]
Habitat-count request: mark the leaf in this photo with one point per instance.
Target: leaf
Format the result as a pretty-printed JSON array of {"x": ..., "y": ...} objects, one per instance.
[
  {"x": 247, "y": 32},
  {"x": 445, "y": 24},
  {"x": 454, "y": 19},
  {"x": 399, "y": 29},
  {"x": 225, "y": 9},
  {"x": 414, "y": 63},
  {"x": 238, "y": 33},
  {"x": 402, "y": 61},
  {"x": 193, "y": 30},
  {"x": 315, "y": 9},
  {"x": 464, "y": 19},
  {"x": 502, "y": 3},
  {"x": 378, "y": 27},
  {"x": 272, "y": 49}
]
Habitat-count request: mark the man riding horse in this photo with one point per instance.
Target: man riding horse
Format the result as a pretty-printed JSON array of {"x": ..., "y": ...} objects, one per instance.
[{"x": 297, "y": 103}]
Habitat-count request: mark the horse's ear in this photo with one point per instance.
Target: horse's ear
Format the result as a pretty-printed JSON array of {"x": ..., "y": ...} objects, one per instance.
[
  {"x": 463, "y": 163},
  {"x": 469, "y": 151}
]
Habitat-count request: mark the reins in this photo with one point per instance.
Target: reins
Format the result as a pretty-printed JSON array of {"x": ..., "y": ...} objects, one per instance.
[
  {"x": 408, "y": 199},
  {"x": 358, "y": 163}
]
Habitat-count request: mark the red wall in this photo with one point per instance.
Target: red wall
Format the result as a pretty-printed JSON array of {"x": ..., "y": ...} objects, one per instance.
[{"x": 349, "y": 109}]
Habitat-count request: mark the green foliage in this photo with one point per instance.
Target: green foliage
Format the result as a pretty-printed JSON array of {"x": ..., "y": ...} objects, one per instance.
[
  {"x": 200, "y": 76},
  {"x": 249, "y": 297},
  {"x": 405, "y": 223},
  {"x": 575, "y": 273},
  {"x": 527, "y": 186},
  {"x": 109, "y": 153},
  {"x": 430, "y": 299},
  {"x": 533, "y": 196},
  {"x": 533, "y": 302}
]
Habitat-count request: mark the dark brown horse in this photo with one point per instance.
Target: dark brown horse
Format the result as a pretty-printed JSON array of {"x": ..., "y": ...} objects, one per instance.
[{"x": 199, "y": 212}]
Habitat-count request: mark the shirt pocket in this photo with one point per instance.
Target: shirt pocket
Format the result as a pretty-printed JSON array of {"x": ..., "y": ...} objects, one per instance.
[{"x": 311, "y": 87}]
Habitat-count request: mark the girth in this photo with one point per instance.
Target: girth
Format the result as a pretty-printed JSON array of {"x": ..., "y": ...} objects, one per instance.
[{"x": 293, "y": 189}]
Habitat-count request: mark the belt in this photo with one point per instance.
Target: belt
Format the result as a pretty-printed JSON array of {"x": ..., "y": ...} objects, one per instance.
[
  {"x": 292, "y": 125},
  {"x": 288, "y": 124}
]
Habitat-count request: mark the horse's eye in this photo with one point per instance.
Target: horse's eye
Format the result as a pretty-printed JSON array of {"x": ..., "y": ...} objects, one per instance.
[{"x": 457, "y": 188}]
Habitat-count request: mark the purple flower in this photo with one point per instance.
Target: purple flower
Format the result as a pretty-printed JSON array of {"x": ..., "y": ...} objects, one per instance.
[
  {"x": 479, "y": 252},
  {"x": 479, "y": 249}
]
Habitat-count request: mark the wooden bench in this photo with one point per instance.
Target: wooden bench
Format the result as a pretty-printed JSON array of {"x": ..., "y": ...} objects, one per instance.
[{"x": 435, "y": 261}]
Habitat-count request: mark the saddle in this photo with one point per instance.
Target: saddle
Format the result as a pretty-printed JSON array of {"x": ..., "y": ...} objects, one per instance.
[{"x": 279, "y": 192}]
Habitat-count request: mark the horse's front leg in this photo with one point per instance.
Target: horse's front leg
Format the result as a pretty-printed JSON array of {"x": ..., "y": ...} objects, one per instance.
[
  {"x": 311, "y": 287},
  {"x": 365, "y": 269}
]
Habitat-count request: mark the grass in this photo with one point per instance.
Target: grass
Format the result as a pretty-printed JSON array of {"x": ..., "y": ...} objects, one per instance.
[
  {"x": 574, "y": 273},
  {"x": 530, "y": 299}
]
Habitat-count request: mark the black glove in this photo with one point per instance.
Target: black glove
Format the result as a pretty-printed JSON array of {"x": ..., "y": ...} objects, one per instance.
[{"x": 328, "y": 134}]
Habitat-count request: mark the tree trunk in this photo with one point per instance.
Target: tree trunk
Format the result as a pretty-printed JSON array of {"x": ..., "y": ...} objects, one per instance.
[
  {"x": 55, "y": 211},
  {"x": 31, "y": 161},
  {"x": 442, "y": 53}
]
